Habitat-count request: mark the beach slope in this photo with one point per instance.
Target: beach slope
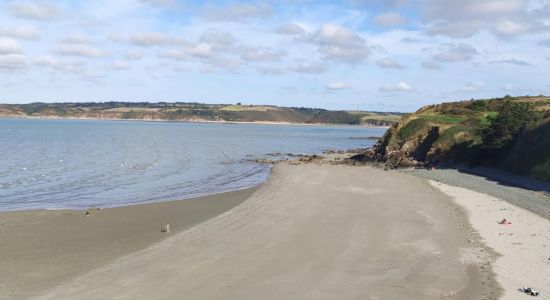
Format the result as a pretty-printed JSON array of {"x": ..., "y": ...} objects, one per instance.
[
  {"x": 309, "y": 232},
  {"x": 523, "y": 244}
]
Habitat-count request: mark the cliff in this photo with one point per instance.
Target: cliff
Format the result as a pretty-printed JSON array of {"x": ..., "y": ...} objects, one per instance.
[{"x": 511, "y": 133}]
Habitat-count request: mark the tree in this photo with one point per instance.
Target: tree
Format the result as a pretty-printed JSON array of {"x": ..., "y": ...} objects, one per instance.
[{"x": 512, "y": 118}]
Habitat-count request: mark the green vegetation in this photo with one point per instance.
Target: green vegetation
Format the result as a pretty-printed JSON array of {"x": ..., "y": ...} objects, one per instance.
[
  {"x": 377, "y": 118},
  {"x": 506, "y": 123},
  {"x": 511, "y": 133},
  {"x": 248, "y": 108},
  {"x": 412, "y": 128},
  {"x": 193, "y": 111},
  {"x": 442, "y": 118}
]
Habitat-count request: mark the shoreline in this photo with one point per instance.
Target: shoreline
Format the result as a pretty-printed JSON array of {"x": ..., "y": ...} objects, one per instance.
[
  {"x": 290, "y": 235},
  {"x": 187, "y": 121},
  {"x": 492, "y": 265},
  {"x": 157, "y": 201},
  {"x": 41, "y": 248}
]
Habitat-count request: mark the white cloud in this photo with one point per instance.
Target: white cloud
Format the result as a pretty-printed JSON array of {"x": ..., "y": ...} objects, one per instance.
[
  {"x": 389, "y": 63},
  {"x": 509, "y": 87},
  {"x": 61, "y": 66},
  {"x": 451, "y": 53},
  {"x": 511, "y": 28},
  {"x": 223, "y": 63},
  {"x": 337, "y": 86},
  {"x": 12, "y": 61},
  {"x": 45, "y": 61},
  {"x": 458, "y": 29},
  {"x": 516, "y": 62},
  {"x": 151, "y": 39},
  {"x": 217, "y": 37},
  {"x": 375, "y": 3},
  {"x": 238, "y": 12},
  {"x": 35, "y": 11},
  {"x": 79, "y": 38},
  {"x": 474, "y": 86},
  {"x": 261, "y": 54},
  {"x": 389, "y": 19},
  {"x": 339, "y": 43},
  {"x": 470, "y": 9},
  {"x": 79, "y": 50},
  {"x": 23, "y": 32},
  {"x": 431, "y": 65},
  {"x": 400, "y": 87},
  {"x": 461, "y": 19},
  {"x": 271, "y": 71},
  {"x": 9, "y": 46},
  {"x": 202, "y": 50},
  {"x": 174, "y": 54},
  {"x": 165, "y": 3},
  {"x": 307, "y": 67},
  {"x": 291, "y": 29}
]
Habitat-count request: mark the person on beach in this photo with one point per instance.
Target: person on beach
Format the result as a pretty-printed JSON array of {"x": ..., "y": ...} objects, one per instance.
[{"x": 504, "y": 222}]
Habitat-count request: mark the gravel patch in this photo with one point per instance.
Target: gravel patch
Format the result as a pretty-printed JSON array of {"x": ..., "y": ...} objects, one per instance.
[{"x": 536, "y": 200}]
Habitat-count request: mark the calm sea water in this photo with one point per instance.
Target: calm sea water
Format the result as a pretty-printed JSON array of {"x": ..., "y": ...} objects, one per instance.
[{"x": 82, "y": 163}]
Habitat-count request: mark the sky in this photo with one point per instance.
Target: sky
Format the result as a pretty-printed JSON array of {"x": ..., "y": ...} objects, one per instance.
[{"x": 393, "y": 55}]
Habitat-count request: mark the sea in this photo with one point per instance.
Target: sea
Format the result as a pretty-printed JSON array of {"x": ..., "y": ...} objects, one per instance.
[{"x": 76, "y": 164}]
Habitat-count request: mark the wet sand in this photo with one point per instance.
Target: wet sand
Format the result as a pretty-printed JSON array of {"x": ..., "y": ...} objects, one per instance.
[
  {"x": 40, "y": 249},
  {"x": 309, "y": 232}
]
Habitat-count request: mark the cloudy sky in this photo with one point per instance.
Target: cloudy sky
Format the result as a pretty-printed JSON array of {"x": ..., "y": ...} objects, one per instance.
[{"x": 388, "y": 55}]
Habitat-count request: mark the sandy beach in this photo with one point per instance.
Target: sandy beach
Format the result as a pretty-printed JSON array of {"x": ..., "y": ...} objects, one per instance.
[
  {"x": 310, "y": 232},
  {"x": 523, "y": 245},
  {"x": 40, "y": 249}
]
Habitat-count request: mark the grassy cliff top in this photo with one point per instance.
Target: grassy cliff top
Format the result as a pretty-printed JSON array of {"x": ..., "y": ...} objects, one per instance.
[
  {"x": 512, "y": 133},
  {"x": 197, "y": 112}
]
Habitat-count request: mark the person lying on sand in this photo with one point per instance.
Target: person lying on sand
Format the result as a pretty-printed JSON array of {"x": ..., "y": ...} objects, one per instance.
[{"x": 504, "y": 222}]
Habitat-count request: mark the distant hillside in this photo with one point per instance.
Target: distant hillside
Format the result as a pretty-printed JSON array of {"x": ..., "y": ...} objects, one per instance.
[
  {"x": 196, "y": 112},
  {"x": 511, "y": 133}
]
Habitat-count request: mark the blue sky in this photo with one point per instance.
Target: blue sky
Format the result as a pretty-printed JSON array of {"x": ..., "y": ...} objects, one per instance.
[{"x": 394, "y": 55}]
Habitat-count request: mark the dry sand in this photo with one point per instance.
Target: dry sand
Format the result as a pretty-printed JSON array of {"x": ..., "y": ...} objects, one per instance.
[
  {"x": 524, "y": 245},
  {"x": 40, "y": 249},
  {"x": 309, "y": 232}
]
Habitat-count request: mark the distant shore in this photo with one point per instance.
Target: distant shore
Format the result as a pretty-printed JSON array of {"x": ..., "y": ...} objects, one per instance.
[{"x": 187, "y": 121}]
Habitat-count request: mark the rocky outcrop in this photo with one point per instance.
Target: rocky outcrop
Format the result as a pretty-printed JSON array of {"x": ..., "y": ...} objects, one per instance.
[
  {"x": 454, "y": 133},
  {"x": 394, "y": 152}
]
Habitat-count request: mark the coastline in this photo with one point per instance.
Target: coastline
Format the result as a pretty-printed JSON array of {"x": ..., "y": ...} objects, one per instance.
[
  {"x": 310, "y": 232},
  {"x": 41, "y": 248},
  {"x": 187, "y": 121},
  {"x": 450, "y": 230}
]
